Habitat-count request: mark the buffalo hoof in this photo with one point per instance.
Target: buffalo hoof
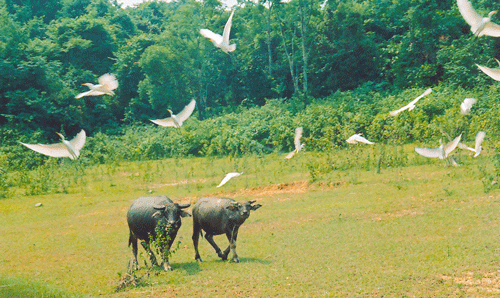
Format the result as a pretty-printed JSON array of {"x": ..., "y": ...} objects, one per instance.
[
  {"x": 236, "y": 260},
  {"x": 167, "y": 268},
  {"x": 199, "y": 260}
]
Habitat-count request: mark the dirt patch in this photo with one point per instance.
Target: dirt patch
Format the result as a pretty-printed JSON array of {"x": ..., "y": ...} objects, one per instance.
[
  {"x": 174, "y": 183},
  {"x": 477, "y": 284},
  {"x": 396, "y": 214},
  {"x": 295, "y": 187}
]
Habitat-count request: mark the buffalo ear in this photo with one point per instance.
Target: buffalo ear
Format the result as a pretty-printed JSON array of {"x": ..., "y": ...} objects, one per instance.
[
  {"x": 233, "y": 206},
  {"x": 185, "y": 214},
  {"x": 256, "y": 206}
]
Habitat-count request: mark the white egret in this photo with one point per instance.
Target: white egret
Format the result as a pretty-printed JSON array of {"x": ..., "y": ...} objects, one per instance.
[
  {"x": 493, "y": 73},
  {"x": 107, "y": 83},
  {"x": 177, "y": 120},
  {"x": 298, "y": 145},
  {"x": 442, "y": 151},
  {"x": 322, "y": 5},
  {"x": 466, "y": 105},
  {"x": 478, "y": 25},
  {"x": 228, "y": 177},
  {"x": 66, "y": 148},
  {"x": 411, "y": 105},
  {"x": 477, "y": 146},
  {"x": 222, "y": 42},
  {"x": 355, "y": 138}
]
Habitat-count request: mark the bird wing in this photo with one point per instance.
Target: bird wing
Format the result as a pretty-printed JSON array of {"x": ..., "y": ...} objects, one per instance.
[
  {"x": 426, "y": 92},
  {"x": 359, "y": 138},
  {"x": 164, "y": 122},
  {"x": 465, "y": 147},
  {"x": 464, "y": 108},
  {"x": 493, "y": 73},
  {"x": 214, "y": 37},
  {"x": 352, "y": 139},
  {"x": 53, "y": 150},
  {"x": 448, "y": 148},
  {"x": 227, "y": 178},
  {"x": 396, "y": 112},
  {"x": 466, "y": 105},
  {"x": 468, "y": 13},
  {"x": 79, "y": 140},
  {"x": 187, "y": 111},
  {"x": 298, "y": 135},
  {"x": 227, "y": 29},
  {"x": 428, "y": 152},
  {"x": 89, "y": 93},
  {"x": 291, "y": 154},
  {"x": 108, "y": 82},
  {"x": 411, "y": 105},
  {"x": 490, "y": 29},
  {"x": 479, "y": 139}
]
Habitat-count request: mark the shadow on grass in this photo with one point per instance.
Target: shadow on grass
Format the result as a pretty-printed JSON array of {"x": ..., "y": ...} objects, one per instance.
[
  {"x": 16, "y": 287},
  {"x": 191, "y": 268},
  {"x": 255, "y": 260},
  {"x": 243, "y": 260}
]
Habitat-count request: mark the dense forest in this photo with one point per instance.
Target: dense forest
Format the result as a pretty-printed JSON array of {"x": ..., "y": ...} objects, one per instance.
[{"x": 360, "y": 58}]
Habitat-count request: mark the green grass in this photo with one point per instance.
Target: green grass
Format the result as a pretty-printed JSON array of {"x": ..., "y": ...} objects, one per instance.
[{"x": 419, "y": 229}]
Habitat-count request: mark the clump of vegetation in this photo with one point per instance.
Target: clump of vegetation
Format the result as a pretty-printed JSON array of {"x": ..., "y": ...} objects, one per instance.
[
  {"x": 160, "y": 240},
  {"x": 132, "y": 279}
]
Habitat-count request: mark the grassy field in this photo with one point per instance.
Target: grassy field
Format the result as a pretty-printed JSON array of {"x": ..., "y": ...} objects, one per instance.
[{"x": 329, "y": 226}]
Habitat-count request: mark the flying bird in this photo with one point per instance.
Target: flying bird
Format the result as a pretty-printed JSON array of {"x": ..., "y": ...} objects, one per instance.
[
  {"x": 466, "y": 105},
  {"x": 222, "y": 42},
  {"x": 298, "y": 145},
  {"x": 177, "y": 120},
  {"x": 107, "y": 83},
  {"x": 66, "y": 148},
  {"x": 477, "y": 147},
  {"x": 493, "y": 73},
  {"x": 228, "y": 177},
  {"x": 411, "y": 105},
  {"x": 355, "y": 138},
  {"x": 478, "y": 25},
  {"x": 442, "y": 151}
]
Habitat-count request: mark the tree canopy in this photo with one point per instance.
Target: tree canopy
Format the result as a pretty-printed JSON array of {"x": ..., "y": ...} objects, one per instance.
[{"x": 297, "y": 49}]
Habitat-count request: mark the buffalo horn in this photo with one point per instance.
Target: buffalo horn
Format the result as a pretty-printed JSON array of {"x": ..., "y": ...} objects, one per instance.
[
  {"x": 160, "y": 207},
  {"x": 156, "y": 213}
]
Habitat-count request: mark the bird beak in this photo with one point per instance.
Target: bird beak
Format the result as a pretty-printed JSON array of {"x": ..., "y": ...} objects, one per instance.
[
  {"x": 60, "y": 135},
  {"x": 170, "y": 111}
]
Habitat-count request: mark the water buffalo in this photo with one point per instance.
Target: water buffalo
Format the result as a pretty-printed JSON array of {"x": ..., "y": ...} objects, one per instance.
[
  {"x": 218, "y": 216},
  {"x": 144, "y": 215}
]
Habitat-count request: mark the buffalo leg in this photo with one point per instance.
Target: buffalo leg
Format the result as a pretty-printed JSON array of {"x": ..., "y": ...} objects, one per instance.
[
  {"x": 166, "y": 264},
  {"x": 152, "y": 257},
  {"x": 165, "y": 251},
  {"x": 231, "y": 237},
  {"x": 210, "y": 239},
  {"x": 196, "y": 237},
  {"x": 133, "y": 240}
]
